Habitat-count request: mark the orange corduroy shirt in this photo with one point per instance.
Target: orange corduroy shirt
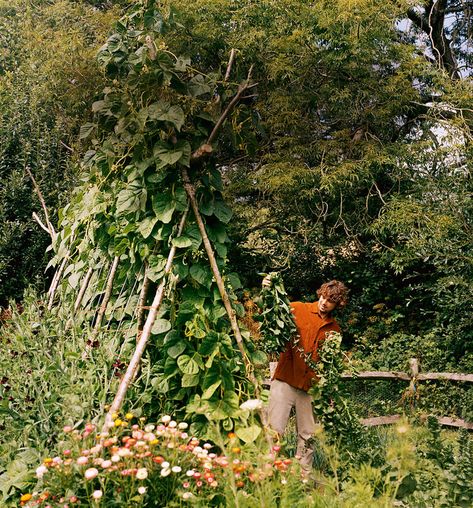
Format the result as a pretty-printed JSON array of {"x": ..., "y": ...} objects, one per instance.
[{"x": 312, "y": 328}]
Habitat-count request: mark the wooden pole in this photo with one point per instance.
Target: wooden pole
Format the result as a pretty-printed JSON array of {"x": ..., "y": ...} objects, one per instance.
[
  {"x": 55, "y": 282},
  {"x": 82, "y": 289},
  {"x": 141, "y": 345},
  {"x": 103, "y": 307},
  {"x": 141, "y": 304},
  {"x": 226, "y": 301}
]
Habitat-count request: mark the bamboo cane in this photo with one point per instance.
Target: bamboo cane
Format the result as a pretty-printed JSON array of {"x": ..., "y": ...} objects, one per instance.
[
  {"x": 141, "y": 305},
  {"x": 55, "y": 283},
  {"x": 141, "y": 345},
  {"x": 103, "y": 307},
  {"x": 82, "y": 290}
]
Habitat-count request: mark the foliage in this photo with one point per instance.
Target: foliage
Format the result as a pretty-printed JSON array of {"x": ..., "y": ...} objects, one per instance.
[
  {"x": 47, "y": 76},
  {"x": 48, "y": 384},
  {"x": 358, "y": 163},
  {"x": 277, "y": 325}
]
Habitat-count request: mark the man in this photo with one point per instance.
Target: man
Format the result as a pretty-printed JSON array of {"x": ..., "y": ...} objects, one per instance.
[{"x": 293, "y": 377}]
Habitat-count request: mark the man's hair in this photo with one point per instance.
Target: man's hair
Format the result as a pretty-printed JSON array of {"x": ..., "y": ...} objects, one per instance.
[{"x": 335, "y": 291}]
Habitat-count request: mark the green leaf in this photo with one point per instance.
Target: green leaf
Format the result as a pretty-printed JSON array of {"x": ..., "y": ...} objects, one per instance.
[
  {"x": 208, "y": 392},
  {"x": 74, "y": 279},
  {"x": 177, "y": 349},
  {"x": 180, "y": 197},
  {"x": 163, "y": 206},
  {"x": 145, "y": 227},
  {"x": 209, "y": 344},
  {"x": 182, "y": 63},
  {"x": 248, "y": 434},
  {"x": 222, "y": 211},
  {"x": 200, "y": 274},
  {"x": 182, "y": 242},
  {"x": 206, "y": 206},
  {"x": 86, "y": 130},
  {"x": 172, "y": 337},
  {"x": 192, "y": 232},
  {"x": 132, "y": 198},
  {"x": 187, "y": 365},
  {"x": 234, "y": 281},
  {"x": 160, "y": 326},
  {"x": 163, "y": 111},
  {"x": 189, "y": 380},
  {"x": 167, "y": 154},
  {"x": 221, "y": 250},
  {"x": 197, "y": 86}
]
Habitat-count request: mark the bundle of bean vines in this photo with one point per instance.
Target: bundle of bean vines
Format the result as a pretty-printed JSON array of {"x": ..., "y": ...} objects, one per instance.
[{"x": 277, "y": 325}]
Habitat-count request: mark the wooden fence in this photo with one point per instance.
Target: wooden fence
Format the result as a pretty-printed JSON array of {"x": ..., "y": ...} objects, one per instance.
[{"x": 413, "y": 377}]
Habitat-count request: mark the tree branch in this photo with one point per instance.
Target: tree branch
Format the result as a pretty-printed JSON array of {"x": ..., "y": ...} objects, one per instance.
[{"x": 50, "y": 227}]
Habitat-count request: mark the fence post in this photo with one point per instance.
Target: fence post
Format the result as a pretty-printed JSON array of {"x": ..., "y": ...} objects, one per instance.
[{"x": 412, "y": 390}]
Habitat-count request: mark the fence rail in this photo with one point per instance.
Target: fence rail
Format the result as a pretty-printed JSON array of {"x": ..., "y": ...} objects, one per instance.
[{"x": 413, "y": 377}]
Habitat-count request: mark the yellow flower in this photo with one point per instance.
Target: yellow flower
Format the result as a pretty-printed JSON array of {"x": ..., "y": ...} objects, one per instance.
[
  {"x": 25, "y": 498},
  {"x": 117, "y": 422},
  {"x": 129, "y": 416},
  {"x": 114, "y": 416}
]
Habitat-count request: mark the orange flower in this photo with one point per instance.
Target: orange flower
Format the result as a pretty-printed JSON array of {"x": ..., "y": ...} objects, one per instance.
[{"x": 25, "y": 498}]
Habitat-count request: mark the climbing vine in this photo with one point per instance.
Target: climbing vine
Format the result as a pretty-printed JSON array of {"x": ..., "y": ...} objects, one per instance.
[{"x": 153, "y": 119}]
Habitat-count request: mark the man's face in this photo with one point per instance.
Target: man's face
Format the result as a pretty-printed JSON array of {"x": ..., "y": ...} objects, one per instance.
[{"x": 326, "y": 306}]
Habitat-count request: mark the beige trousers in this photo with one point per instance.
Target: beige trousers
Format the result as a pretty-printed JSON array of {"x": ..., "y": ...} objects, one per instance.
[{"x": 282, "y": 397}]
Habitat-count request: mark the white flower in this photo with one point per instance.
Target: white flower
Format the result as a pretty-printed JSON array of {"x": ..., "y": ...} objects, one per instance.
[
  {"x": 124, "y": 452},
  {"x": 166, "y": 419},
  {"x": 187, "y": 495},
  {"x": 141, "y": 490},
  {"x": 149, "y": 428},
  {"x": 190, "y": 472},
  {"x": 165, "y": 465},
  {"x": 40, "y": 471},
  {"x": 115, "y": 458},
  {"x": 176, "y": 469},
  {"x": 97, "y": 494},
  {"x": 251, "y": 405},
  {"x": 165, "y": 472},
  {"x": 142, "y": 473},
  {"x": 183, "y": 425},
  {"x": 172, "y": 424}
]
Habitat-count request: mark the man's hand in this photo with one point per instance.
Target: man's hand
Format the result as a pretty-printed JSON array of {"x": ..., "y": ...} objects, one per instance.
[{"x": 267, "y": 281}]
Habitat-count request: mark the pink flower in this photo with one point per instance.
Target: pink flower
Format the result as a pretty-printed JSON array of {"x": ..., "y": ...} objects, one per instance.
[
  {"x": 82, "y": 461},
  {"x": 67, "y": 428},
  {"x": 91, "y": 473},
  {"x": 141, "y": 490}
]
